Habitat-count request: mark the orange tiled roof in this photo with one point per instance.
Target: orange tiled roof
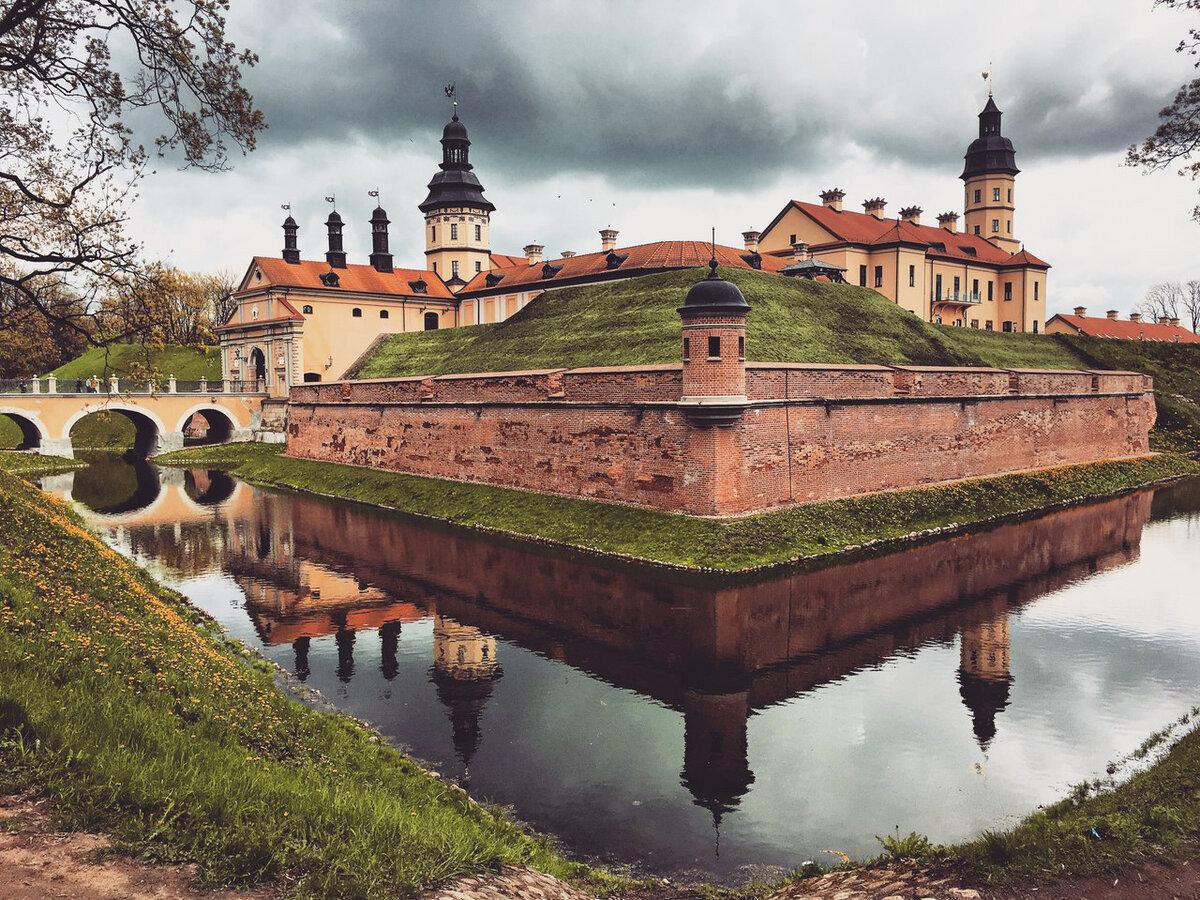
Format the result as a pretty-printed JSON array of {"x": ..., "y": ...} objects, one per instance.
[
  {"x": 505, "y": 259},
  {"x": 656, "y": 257},
  {"x": 1123, "y": 329},
  {"x": 307, "y": 274},
  {"x": 862, "y": 228}
]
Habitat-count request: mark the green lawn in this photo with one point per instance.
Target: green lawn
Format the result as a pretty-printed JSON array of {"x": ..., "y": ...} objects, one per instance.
[
  {"x": 135, "y": 361},
  {"x": 131, "y": 710},
  {"x": 10, "y": 434}
]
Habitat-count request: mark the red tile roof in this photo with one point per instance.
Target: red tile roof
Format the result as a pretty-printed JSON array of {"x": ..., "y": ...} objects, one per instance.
[
  {"x": 1125, "y": 330},
  {"x": 656, "y": 257},
  {"x": 862, "y": 228},
  {"x": 307, "y": 274}
]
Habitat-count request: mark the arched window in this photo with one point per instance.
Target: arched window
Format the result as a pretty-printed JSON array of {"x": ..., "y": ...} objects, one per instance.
[
  {"x": 431, "y": 321},
  {"x": 357, "y": 313},
  {"x": 383, "y": 314},
  {"x": 308, "y": 309}
]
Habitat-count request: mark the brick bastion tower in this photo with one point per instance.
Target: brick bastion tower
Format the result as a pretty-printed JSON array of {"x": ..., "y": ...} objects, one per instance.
[{"x": 714, "y": 351}]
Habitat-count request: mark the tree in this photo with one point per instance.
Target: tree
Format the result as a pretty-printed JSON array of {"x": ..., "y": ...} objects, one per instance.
[
  {"x": 1163, "y": 299},
  {"x": 1191, "y": 302},
  {"x": 69, "y": 163},
  {"x": 1177, "y": 138},
  {"x": 165, "y": 305},
  {"x": 32, "y": 343}
]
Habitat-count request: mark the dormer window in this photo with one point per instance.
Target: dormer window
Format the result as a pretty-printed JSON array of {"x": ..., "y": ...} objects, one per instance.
[
  {"x": 330, "y": 279},
  {"x": 492, "y": 279},
  {"x": 614, "y": 259},
  {"x": 419, "y": 286},
  {"x": 970, "y": 251},
  {"x": 549, "y": 270}
]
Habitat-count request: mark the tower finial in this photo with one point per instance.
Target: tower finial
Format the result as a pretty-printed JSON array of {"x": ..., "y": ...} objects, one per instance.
[
  {"x": 988, "y": 77},
  {"x": 712, "y": 263},
  {"x": 454, "y": 100}
]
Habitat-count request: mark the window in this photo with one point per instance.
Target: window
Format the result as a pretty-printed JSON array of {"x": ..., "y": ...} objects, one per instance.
[
  {"x": 435, "y": 267},
  {"x": 978, "y": 196},
  {"x": 1008, "y": 290},
  {"x": 991, "y": 285},
  {"x": 431, "y": 321},
  {"x": 995, "y": 193},
  {"x": 1010, "y": 195},
  {"x": 687, "y": 349},
  {"x": 433, "y": 233},
  {"x": 308, "y": 309},
  {"x": 479, "y": 232},
  {"x": 791, "y": 240},
  {"x": 741, "y": 347},
  {"x": 1008, "y": 326},
  {"x": 974, "y": 323},
  {"x": 714, "y": 346},
  {"x": 1036, "y": 285},
  {"x": 937, "y": 287},
  {"x": 974, "y": 288},
  {"x": 862, "y": 276},
  {"x": 1035, "y": 326},
  {"x": 879, "y": 276},
  {"x": 383, "y": 314},
  {"x": 478, "y": 267},
  {"x": 912, "y": 276},
  {"x": 1009, "y": 221},
  {"x": 977, "y": 229},
  {"x": 987, "y": 326},
  {"x": 454, "y": 268},
  {"x": 454, "y": 232},
  {"x": 254, "y": 312},
  {"x": 356, "y": 313},
  {"x": 937, "y": 319},
  {"x": 995, "y": 226},
  {"x": 310, "y": 377}
]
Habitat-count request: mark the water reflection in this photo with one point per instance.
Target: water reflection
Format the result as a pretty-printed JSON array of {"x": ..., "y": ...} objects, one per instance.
[{"x": 367, "y": 607}]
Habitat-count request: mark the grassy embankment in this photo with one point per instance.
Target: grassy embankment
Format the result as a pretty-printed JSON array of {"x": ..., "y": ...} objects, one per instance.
[
  {"x": 112, "y": 431},
  {"x": 722, "y": 544},
  {"x": 127, "y": 706},
  {"x": 35, "y": 464},
  {"x": 634, "y": 322}
]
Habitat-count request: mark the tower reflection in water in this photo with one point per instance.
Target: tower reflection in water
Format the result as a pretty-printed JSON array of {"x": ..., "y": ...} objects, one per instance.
[{"x": 716, "y": 652}]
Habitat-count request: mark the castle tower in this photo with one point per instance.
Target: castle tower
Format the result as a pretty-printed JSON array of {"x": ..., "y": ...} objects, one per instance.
[
  {"x": 989, "y": 178},
  {"x": 716, "y": 768},
  {"x": 464, "y": 672},
  {"x": 380, "y": 258},
  {"x": 457, "y": 215},
  {"x": 714, "y": 351},
  {"x": 983, "y": 677},
  {"x": 291, "y": 251}
]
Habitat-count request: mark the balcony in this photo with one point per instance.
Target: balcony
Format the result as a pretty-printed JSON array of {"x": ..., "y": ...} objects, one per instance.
[{"x": 955, "y": 298}]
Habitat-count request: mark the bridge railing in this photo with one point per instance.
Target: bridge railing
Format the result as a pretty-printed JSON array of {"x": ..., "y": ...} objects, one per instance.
[{"x": 126, "y": 386}]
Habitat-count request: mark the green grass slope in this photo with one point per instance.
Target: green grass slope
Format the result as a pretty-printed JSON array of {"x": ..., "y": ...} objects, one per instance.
[
  {"x": 635, "y": 322},
  {"x": 133, "y": 361}
]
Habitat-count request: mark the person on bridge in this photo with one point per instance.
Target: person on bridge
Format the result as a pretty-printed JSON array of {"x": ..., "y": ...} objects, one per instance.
[{"x": 79, "y": 385}]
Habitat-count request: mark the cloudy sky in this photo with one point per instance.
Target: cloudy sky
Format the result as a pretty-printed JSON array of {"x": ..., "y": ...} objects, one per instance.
[{"x": 663, "y": 118}]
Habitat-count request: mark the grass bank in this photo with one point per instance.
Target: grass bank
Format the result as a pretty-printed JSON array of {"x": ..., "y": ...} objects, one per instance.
[
  {"x": 137, "y": 361},
  {"x": 727, "y": 545},
  {"x": 33, "y": 464},
  {"x": 129, "y": 708}
]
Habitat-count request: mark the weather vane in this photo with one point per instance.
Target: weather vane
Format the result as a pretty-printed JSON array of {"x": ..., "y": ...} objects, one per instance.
[
  {"x": 331, "y": 199},
  {"x": 286, "y": 206},
  {"x": 374, "y": 193},
  {"x": 449, "y": 89},
  {"x": 988, "y": 77}
]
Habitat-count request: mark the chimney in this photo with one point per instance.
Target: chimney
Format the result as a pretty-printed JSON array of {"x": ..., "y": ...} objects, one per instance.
[
  {"x": 949, "y": 221},
  {"x": 1081, "y": 310},
  {"x": 1175, "y": 321},
  {"x": 608, "y": 240},
  {"x": 874, "y": 207},
  {"x": 833, "y": 198},
  {"x": 1164, "y": 320},
  {"x": 291, "y": 254},
  {"x": 800, "y": 251},
  {"x": 567, "y": 254},
  {"x": 380, "y": 258},
  {"x": 533, "y": 253},
  {"x": 336, "y": 256},
  {"x": 751, "y": 238},
  {"x": 911, "y": 215},
  {"x": 1135, "y": 317},
  {"x": 1112, "y": 314}
]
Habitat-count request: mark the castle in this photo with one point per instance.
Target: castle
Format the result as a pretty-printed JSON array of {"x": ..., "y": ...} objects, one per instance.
[{"x": 300, "y": 320}]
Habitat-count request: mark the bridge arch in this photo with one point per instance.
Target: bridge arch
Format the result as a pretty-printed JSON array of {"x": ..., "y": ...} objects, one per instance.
[
  {"x": 223, "y": 426},
  {"x": 34, "y": 434},
  {"x": 149, "y": 428}
]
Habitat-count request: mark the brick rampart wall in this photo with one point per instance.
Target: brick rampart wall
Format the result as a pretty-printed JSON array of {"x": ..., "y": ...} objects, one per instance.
[{"x": 810, "y": 432}]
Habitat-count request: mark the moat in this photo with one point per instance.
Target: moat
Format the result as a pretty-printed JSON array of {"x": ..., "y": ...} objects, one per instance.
[{"x": 704, "y": 729}]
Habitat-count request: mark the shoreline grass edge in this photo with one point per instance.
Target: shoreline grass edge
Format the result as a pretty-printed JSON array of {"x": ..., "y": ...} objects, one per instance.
[{"x": 784, "y": 537}]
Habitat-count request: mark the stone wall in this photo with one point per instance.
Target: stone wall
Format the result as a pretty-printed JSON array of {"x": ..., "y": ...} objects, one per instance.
[{"x": 810, "y": 432}]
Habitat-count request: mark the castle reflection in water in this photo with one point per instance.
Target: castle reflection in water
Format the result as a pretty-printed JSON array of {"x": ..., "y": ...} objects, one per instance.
[{"x": 714, "y": 652}]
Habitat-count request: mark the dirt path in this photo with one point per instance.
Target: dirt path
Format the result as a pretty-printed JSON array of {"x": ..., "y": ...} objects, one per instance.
[{"x": 38, "y": 862}]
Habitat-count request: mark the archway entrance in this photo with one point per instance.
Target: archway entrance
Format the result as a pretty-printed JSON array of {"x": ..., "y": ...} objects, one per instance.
[
  {"x": 116, "y": 431},
  {"x": 18, "y": 433},
  {"x": 258, "y": 368}
]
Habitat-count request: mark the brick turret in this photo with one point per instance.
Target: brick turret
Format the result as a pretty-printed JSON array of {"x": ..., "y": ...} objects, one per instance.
[{"x": 714, "y": 351}]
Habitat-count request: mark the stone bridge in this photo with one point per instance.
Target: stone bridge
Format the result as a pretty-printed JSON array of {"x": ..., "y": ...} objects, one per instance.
[{"x": 46, "y": 409}]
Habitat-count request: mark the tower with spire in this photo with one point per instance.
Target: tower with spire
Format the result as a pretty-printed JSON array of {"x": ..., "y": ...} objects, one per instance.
[
  {"x": 464, "y": 671},
  {"x": 457, "y": 215},
  {"x": 989, "y": 178}
]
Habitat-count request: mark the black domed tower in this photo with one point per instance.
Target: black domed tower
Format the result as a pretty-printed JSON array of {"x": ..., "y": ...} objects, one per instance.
[
  {"x": 983, "y": 674},
  {"x": 380, "y": 258},
  {"x": 457, "y": 215},
  {"x": 464, "y": 671},
  {"x": 989, "y": 177}
]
